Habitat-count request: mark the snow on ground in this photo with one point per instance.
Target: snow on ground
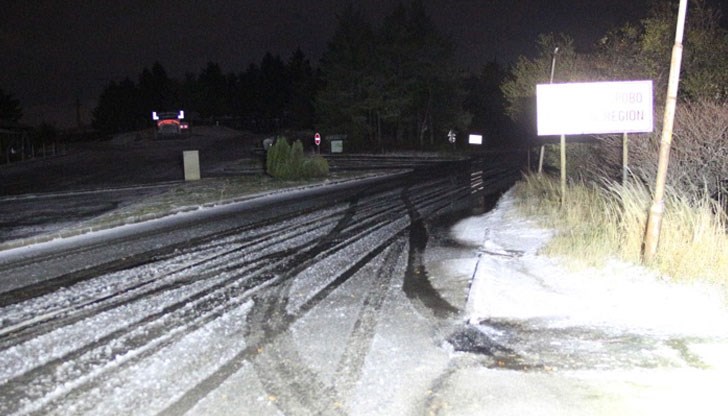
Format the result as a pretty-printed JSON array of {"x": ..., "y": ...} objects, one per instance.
[
  {"x": 513, "y": 282},
  {"x": 613, "y": 340}
]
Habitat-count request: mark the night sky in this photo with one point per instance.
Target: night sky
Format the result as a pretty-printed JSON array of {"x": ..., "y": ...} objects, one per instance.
[{"x": 54, "y": 51}]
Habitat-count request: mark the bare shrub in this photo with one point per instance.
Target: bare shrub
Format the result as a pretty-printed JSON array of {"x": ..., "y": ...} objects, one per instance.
[
  {"x": 698, "y": 157},
  {"x": 701, "y": 154}
]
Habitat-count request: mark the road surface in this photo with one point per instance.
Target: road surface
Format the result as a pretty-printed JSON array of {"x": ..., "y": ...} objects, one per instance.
[{"x": 306, "y": 303}]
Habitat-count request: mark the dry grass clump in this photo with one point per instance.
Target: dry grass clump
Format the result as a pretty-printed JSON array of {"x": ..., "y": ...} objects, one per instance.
[
  {"x": 597, "y": 222},
  {"x": 584, "y": 233},
  {"x": 693, "y": 242}
]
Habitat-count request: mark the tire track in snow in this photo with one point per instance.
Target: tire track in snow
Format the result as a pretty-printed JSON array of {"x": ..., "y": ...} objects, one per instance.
[
  {"x": 270, "y": 319},
  {"x": 17, "y": 386},
  {"x": 271, "y": 315},
  {"x": 280, "y": 368},
  {"x": 32, "y": 324},
  {"x": 282, "y": 381}
]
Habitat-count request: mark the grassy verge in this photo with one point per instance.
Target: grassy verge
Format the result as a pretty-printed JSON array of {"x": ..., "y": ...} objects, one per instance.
[{"x": 601, "y": 222}]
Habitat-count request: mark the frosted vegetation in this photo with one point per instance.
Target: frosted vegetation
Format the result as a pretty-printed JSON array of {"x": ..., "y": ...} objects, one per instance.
[
  {"x": 285, "y": 161},
  {"x": 600, "y": 221}
]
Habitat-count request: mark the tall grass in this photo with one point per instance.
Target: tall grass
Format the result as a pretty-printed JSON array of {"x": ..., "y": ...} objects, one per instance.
[{"x": 602, "y": 221}]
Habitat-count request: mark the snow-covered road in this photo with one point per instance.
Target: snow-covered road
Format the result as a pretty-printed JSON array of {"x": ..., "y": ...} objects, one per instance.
[
  {"x": 373, "y": 305},
  {"x": 283, "y": 314}
]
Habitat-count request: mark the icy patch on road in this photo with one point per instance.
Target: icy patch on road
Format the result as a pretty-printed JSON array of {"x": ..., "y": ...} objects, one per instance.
[
  {"x": 398, "y": 372},
  {"x": 451, "y": 278},
  {"x": 501, "y": 231},
  {"x": 240, "y": 394}
]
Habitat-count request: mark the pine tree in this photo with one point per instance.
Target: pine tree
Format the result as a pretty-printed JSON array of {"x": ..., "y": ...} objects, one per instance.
[{"x": 9, "y": 107}]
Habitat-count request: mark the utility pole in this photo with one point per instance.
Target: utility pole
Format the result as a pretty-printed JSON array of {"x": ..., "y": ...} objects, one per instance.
[{"x": 654, "y": 219}]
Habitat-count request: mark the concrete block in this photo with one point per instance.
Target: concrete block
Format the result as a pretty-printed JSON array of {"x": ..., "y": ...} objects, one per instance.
[{"x": 191, "y": 165}]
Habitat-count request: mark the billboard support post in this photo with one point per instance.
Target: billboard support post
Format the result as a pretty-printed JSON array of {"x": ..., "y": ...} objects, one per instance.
[
  {"x": 563, "y": 169},
  {"x": 551, "y": 81},
  {"x": 540, "y": 160},
  {"x": 625, "y": 157}
]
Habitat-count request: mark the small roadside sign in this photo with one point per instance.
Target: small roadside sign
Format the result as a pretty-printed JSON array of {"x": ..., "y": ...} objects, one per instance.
[{"x": 317, "y": 139}]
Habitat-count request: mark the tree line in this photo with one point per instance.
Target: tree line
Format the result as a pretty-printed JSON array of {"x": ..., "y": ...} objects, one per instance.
[
  {"x": 262, "y": 98},
  {"x": 392, "y": 86},
  {"x": 397, "y": 85}
]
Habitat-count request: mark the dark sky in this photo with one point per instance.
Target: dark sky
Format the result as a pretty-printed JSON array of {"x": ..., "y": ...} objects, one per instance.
[{"x": 53, "y": 51}]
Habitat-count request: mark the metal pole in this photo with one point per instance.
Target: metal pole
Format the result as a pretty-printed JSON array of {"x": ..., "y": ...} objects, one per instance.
[
  {"x": 553, "y": 65},
  {"x": 625, "y": 157},
  {"x": 654, "y": 219},
  {"x": 551, "y": 81}
]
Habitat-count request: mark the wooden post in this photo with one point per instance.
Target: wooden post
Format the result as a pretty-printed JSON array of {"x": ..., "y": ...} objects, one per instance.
[
  {"x": 540, "y": 160},
  {"x": 563, "y": 169},
  {"x": 654, "y": 219}
]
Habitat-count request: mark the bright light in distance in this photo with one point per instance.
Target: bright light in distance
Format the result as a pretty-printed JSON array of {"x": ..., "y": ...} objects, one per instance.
[
  {"x": 181, "y": 114},
  {"x": 475, "y": 139},
  {"x": 154, "y": 115}
]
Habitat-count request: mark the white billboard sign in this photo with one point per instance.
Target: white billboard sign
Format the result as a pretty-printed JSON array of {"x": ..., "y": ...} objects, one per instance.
[{"x": 594, "y": 108}]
